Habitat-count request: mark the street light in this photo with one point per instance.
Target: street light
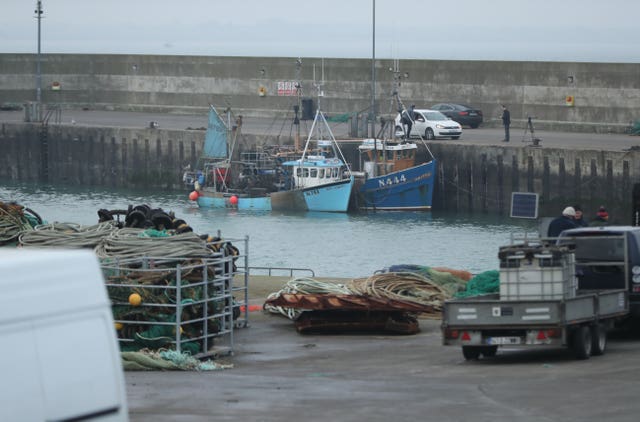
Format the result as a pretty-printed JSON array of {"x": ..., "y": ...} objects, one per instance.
[{"x": 38, "y": 16}]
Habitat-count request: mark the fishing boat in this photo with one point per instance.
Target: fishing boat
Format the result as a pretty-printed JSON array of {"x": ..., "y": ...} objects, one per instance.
[
  {"x": 321, "y": 180},
  {"x": 222, "y": 183},
  {"x": 392, "y": 179}
]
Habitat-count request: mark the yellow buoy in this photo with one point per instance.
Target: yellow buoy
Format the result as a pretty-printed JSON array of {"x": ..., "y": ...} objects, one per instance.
[{"x": 135, "y": 299}]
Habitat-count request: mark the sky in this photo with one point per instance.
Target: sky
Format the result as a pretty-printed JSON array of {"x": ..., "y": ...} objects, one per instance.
[{"x": 522, "y": 30}]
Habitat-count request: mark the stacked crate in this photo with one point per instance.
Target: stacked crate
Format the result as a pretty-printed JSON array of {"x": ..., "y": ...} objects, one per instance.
[{"x": 537, "y": 272}]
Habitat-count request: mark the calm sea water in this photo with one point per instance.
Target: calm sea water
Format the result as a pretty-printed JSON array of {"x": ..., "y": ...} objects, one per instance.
[{"x": 340, "y": 245}]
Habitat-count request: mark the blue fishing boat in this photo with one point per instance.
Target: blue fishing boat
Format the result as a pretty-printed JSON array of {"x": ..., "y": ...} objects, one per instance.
[
  {"x": 392, "y": 179},
  {"x": 222, "y": 183},
  {"x": 321, "y": 180}
]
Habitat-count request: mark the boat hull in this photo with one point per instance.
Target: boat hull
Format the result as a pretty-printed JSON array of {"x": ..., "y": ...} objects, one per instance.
[
  {"x": 410, "y": 189},
  {"x": 223, "y": 200},
  {"x": 332, "y": 197}
]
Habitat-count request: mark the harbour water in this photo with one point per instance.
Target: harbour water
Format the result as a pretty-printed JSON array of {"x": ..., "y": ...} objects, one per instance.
[{"x": 333, "y": 245}]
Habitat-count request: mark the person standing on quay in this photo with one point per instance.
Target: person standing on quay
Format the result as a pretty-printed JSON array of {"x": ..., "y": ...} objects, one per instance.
[
  {"x": 579, "y": 218},
  {"x": 564, "y": 222},
  {"x": 506, "y": 122},
  {"x": 602, "y": 217}
]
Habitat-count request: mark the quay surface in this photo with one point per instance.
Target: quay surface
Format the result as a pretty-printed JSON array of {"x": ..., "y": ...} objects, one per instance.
[
  {"x": 280, "y": 375},
  {"x": 490, "y": 134}
]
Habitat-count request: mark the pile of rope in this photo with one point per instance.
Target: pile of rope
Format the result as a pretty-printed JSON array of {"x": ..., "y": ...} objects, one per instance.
[
  {"x": 409, "y": 287},
  {"x": 304, "y": 285},
  {"x": 167, "y": 360},
  {"x": 15, "y": 219},
  {"x": 131, "y": 243},
  {"x": 406, "y": 286},
  {"x": 66, "y": 235}
]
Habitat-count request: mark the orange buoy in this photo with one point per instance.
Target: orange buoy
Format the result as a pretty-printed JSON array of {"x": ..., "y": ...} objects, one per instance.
[
  {"x": 135, "y": 299},
  {"x": 233, "y": 200},
  {"x": 194, "y": 195}
]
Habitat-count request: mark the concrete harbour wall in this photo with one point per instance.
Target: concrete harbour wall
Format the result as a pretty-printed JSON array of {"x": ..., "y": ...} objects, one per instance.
[
  {"x": 472, "y": 178},
  {"x": 606, "y": 96}
]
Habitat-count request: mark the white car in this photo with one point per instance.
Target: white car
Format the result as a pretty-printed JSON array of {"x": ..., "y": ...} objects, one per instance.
[{"x": 430, "y": 124}]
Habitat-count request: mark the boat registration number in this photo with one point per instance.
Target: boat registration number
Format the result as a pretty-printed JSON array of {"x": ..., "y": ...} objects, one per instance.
[{"x": 504, "y": 340}]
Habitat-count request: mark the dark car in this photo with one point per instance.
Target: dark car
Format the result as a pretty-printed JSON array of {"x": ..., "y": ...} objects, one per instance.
[
  {"x": 603, "y": 262},
  {"x": 460, "y": 113}
]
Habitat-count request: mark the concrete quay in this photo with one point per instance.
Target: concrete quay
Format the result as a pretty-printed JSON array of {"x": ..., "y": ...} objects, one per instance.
[
  {"x": 280, "y": 375},
  {"x": 491, "y": 133}
]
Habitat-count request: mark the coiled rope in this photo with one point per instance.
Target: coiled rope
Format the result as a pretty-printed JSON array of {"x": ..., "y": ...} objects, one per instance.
[
  {"x": 132, "y": 243},
  {"x": 404, "y": 286},
  {"x": 67, "y": 235},
  {"x": 304, "y": 285}
]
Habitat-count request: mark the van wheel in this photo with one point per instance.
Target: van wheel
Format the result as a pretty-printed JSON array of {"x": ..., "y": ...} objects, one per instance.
[
  {"x": 599, "y": 339},
  {"x": 581, "y": 342},
  {"x": 429, "y": 135},
  {"x": 471, "y": 352},
  {"x": 474, "y": 125}
]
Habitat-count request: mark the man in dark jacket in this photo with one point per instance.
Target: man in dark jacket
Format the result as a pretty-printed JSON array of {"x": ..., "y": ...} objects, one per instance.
[
  {"x": 407, "y": 117},
  {"x": 506, "y": 122},
  {"x": 564, "y": 222}
]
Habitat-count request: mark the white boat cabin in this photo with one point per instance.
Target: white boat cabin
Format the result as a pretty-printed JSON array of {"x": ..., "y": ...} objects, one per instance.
[{"x": 317, "y": 170}]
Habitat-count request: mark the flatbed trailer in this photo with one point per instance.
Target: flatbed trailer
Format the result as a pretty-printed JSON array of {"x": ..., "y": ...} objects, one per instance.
[
  {"x": 482, "y": 324},
  {"x": 563, "y": 315}
]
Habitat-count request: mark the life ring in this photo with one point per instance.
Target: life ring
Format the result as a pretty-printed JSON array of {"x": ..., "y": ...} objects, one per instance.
[{"x": 262, "y": 91}]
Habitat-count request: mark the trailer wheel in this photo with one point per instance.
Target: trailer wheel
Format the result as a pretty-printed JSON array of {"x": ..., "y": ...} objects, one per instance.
[
  {"x": 581, "y": 342},
  {"x": 471, "y": 352},
  {"x": 599, "y": 339},
  {"x": 489, "y": 351}
]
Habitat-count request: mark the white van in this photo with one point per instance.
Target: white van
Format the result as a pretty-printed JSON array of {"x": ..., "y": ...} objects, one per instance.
[{"x": 60, "y": 359}]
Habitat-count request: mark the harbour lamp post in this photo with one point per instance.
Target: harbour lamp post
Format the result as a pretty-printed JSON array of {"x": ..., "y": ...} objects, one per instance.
[{"x": 38, "y": 13}]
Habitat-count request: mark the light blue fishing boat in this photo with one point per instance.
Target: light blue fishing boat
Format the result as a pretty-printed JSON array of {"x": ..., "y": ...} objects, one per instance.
[{"x": 321, "y": 180}]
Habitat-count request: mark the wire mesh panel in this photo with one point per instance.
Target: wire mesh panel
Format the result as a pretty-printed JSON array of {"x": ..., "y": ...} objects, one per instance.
[{"x": 183, "y": 304}]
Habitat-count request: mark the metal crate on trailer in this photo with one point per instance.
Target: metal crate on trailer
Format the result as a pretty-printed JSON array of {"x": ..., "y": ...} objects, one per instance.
[
  {"x": 537, "y": 273},
  {"x": 179, "y": 304}
]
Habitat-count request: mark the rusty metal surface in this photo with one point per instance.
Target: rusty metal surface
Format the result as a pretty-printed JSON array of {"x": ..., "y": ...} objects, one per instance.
[
  {"x": 395, "y": 322},
  {"x": 345, "y": 302}
]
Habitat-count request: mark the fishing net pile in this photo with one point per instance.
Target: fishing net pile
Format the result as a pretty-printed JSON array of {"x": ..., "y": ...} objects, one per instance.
[
  {"x": 169, "y": 287},
  {"x": 158, "y": 304},
  {"x": 167, "y": 360},
  {"x": 409, "y": 289},
  {"x": 14, "y": 220}
]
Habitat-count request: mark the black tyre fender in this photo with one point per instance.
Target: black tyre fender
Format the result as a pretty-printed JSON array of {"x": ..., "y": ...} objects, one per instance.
[
  {"x": 428, "y": 134},
  {"x": 581, "y": 342},
  {"x": 471, "y": 352},
  {"x": 598, "y": 339}
]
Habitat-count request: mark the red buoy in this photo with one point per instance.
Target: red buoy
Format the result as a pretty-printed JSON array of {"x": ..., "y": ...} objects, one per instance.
[
  {"x": 194, "y": 195},
  {"x": 233, "y": 200}
]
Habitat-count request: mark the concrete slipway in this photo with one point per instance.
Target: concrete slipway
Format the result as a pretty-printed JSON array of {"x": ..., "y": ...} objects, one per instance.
[{"x": 280, "y": 375}]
